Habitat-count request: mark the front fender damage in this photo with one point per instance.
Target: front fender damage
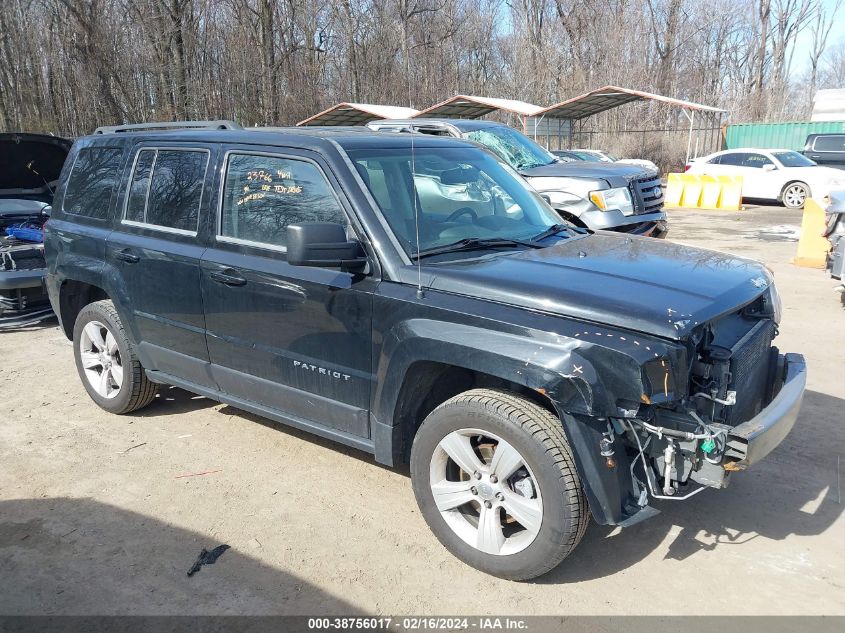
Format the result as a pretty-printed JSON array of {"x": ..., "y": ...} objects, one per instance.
[{"x": 588, "y": 375}]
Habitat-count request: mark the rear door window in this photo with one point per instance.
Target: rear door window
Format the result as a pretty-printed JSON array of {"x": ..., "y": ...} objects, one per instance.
[
  {"x": 166, "y": 188},
  {"x": 263, "y": 195},
  {"x": 92, "y": 181},
  {"x": 831, "y": 143},
  {"x": 735, "y": 159}
]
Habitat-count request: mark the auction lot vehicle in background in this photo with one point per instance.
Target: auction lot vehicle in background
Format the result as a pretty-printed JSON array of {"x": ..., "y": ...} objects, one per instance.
[
  {"x": 410, "y": 296},
  {"x": 826, "y": 149},
  {"x": 605, "y": 157},
  {"x": 596, "y": 196},
  {"x": 565, "y": 156},
  {"x": 781, "y": 175},
  {"x": 29, "y": 171}
]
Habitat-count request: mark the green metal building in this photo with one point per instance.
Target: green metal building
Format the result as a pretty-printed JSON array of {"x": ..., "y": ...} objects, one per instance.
[{"x": 790, "y": 135}]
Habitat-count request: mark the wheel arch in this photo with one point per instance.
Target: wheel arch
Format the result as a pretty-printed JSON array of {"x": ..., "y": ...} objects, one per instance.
[
  {"x": 427, "y": 384},
  {"x": 78, "y": 281},
  {"x": 424, "y": 364},
  {"x": 74, "y": 295}
]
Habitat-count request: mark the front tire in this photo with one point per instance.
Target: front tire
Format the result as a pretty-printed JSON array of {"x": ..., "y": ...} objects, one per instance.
[
  {"x": 794, "y": 195},
  {"x": 107, "y": 363},
  {"x": 495, "y": 480}
]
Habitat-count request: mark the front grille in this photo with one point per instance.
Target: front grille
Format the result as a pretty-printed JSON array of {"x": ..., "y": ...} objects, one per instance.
[
  {"x": 647, "y": 194},
  {"x": 750, "y": 360}
]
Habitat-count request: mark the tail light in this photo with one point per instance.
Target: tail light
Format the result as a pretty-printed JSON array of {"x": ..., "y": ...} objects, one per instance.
[{"x": 687, "y": 166}]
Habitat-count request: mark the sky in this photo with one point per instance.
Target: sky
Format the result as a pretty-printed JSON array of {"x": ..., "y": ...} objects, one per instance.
[{"x": 801, "y": 62}]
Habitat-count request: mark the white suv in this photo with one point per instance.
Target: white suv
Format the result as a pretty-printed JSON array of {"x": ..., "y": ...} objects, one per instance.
[{"x": 772, "y": 174}]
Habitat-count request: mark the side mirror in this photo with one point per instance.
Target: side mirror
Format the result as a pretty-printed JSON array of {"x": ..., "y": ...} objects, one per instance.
[
  {"x": 769, "y": 167},
  {"x": 323, "y": 244}
]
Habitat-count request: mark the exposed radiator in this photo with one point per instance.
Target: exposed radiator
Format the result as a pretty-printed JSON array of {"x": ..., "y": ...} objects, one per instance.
[{"x": 750, "y": 360}]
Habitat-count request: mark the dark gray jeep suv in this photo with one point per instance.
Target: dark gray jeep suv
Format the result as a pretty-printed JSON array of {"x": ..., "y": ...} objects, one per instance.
[{"x": 412, "y": 297}]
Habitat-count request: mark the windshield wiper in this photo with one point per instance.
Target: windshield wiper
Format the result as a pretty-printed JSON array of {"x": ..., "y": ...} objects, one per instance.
[
  {"x": 530, "y": 165},
  {"x": 473, "y": 243},
  {"x": 554, "y": 229}
]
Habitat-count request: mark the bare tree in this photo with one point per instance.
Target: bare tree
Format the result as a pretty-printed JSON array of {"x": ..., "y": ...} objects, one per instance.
[
  {"x": 820, "y": 30},
  {"x": 833, "y": 70},
  {"x": 279, "y": 61}
]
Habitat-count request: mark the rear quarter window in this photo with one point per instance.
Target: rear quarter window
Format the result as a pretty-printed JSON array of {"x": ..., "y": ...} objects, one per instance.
[
  {"x": 735, "y": 159},
  {"x": 93, "y": 178},
  {"x": 832, "y": 143}
]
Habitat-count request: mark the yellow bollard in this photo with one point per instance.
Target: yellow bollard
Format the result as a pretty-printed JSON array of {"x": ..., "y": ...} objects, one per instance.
[
  {"x": 674, "y": 190},
  {"x": 812, "y": 247},
  {"x": 702, "y": 191},
  {"x": 731, "y": 194},
  {"x": 710, "y": 192},
  {"x": 692, "y": 191}
]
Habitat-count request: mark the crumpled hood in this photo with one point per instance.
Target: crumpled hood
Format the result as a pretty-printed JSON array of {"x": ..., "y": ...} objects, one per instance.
[
  {"x": 642, "y": 284},
  {"x": 584, "y": 169},
  {"x": 28, "y": 162}
]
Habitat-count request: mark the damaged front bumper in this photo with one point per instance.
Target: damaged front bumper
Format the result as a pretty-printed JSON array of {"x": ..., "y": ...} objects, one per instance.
[
  {"x": 751, "y": 441},
  {"x": 671, "y": 459}
]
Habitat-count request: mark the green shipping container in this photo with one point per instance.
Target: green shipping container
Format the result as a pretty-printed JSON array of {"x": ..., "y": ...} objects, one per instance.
[{"x": 789, "y": 135}]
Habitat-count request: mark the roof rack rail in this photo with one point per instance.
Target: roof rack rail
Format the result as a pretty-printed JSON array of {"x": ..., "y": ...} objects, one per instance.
[{"x": 169, "y": 125}]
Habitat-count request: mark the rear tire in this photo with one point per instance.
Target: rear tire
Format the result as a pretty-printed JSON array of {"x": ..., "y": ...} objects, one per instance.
[
  {"x": 107, "y": 362},
  {"x": 522, "y": 510},
  {"x": 794, "y": 195}
]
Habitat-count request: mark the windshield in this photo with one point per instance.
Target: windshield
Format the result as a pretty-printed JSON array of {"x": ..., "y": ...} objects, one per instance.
[
  {"x": 592, "y": 156},
  {"x": 516, "y": 149},
  {"x": 793, "y": 159},
  {"x": 460, "y": 193}
]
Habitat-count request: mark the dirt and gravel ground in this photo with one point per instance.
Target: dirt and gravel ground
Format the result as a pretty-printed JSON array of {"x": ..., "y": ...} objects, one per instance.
[{"x": 96, "y": 516}]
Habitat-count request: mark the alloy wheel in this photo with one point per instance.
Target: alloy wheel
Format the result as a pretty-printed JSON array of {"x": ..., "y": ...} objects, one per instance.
[
  {"x": 794, "y": 196},
  {"x": 101, "y": 360},
  {"x": 486, "y": 492}
]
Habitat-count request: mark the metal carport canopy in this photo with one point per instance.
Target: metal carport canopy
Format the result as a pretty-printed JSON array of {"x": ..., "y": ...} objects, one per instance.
[
  {"x": 357, "y": 114},
  {"x": 470, "y": 107},
  {"x": 609, "y": 97}
]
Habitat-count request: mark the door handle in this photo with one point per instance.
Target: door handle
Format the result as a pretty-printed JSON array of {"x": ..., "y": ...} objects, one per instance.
[
  {"x": 127, "y": 256},
  {"x": 227, "y": 278},
  {"x": 814, "y": 156}
]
